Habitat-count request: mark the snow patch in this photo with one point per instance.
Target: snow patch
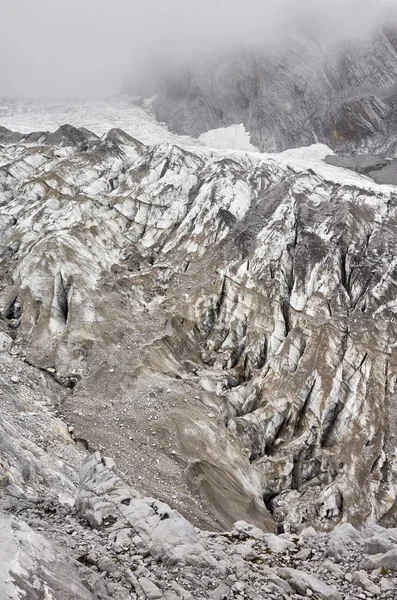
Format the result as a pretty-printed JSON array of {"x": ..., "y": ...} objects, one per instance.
[
  {"x": 313, "y": 153},
  {"x": 235, "y": 137}
]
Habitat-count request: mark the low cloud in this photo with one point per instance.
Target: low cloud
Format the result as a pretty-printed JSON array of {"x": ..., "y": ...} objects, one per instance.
[{"x": 91, "y": 47}]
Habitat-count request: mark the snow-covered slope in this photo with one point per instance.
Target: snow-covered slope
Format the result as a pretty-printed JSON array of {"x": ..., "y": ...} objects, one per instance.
[
  {"x": 98, "y": 116},
  {"x": 224, "y": 320}
]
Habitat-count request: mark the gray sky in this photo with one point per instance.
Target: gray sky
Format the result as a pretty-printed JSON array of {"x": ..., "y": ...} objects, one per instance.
[{"x": 89, "y": 47}]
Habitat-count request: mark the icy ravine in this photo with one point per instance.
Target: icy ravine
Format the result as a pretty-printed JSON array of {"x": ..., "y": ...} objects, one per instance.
[
  {"x": 71, "y": 527},
  {"x": 232, "y": 314}
]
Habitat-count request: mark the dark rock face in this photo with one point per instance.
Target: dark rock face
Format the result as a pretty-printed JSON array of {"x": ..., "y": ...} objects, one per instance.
[
  {"x": 66, "y": 135},
  {"x": 294, "y": 96},
  {"x": 381, "y": 170}
]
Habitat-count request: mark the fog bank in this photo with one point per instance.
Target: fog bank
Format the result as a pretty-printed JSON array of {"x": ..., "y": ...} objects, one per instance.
[{"x": 90, "y": 47}]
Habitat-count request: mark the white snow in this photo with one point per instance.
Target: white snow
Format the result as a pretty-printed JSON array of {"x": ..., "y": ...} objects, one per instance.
[
  {"x": 235, "y": 137},
  {"x": 314, "y": 153},
  {"x": 100, "y": 116},
  {"x": 311, "y": 157}
]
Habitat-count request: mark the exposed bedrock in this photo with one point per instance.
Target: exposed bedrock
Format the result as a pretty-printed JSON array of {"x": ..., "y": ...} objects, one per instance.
[{"x": 291, "y": 95}]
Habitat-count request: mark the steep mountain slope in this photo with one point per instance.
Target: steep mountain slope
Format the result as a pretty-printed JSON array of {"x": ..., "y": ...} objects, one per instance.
[
  {"x": 294, "y": 95},
  {"x": 223, "y": 322}
]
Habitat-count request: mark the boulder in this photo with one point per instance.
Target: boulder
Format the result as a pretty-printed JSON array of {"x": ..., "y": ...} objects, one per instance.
[
  {"x": 377, "y": 545},
  {"x": 361, "y": 579},
  {"x": 302, "y": 582}
]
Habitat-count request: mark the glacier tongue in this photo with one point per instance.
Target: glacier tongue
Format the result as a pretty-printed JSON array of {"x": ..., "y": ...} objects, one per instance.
[{"x": 224, "y": 320}]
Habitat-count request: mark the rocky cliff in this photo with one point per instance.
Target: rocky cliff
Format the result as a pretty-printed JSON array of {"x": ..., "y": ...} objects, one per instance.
[{"x": 301, "y": 93}]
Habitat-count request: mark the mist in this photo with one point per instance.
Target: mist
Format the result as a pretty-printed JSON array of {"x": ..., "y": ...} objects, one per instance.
[{"x": 92, "y": 47}]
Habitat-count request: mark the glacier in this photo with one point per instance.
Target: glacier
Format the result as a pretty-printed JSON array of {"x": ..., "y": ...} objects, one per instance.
[{"x": 232, "y": 313}]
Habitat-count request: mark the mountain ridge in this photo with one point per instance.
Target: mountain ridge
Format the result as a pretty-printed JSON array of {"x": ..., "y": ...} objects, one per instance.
[{"x": 290, "y": 96}]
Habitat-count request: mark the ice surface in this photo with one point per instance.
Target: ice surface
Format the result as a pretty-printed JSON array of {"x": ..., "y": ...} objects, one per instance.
[
  {"x": 311, "y": 157},
  {"x": 100, "y": 116},
  {"x": 235, "y": 137}
]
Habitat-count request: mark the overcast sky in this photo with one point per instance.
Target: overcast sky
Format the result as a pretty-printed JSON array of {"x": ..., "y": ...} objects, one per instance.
[{"x": 89, "y": 47}]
